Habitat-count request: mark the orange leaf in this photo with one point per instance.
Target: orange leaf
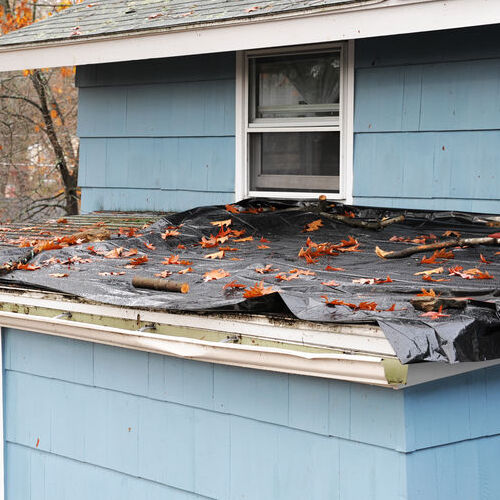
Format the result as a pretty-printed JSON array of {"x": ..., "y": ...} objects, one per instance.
[
  {"x": 221, "y": 223},
  {"x": 286, "y": 277},
  {"x": 164, "y": 274},
  {"x": 262, "y": 247},
  {"x": 302, "y": 272},
  {"x": 170, "y": 232},
  {"x": 27, "y": 267},
  {"x": 53, "y": 113},
  {"x": 265, "y": 270},
  {"x": 232, "y": 209},
  {"x": 313, "y": 226},
  {"x": 455, "y": 234},
  {"x": 216, "y": 255},
  {"x": 258, "y": 290},
  {"x": 187, "y": 270},
  {"x": 233, "y": 284},
  {"x": 330, "y": 268},
  {"x": 248, "y": 238},
  {"x": 149, "y": 245},
  {"x": 116, "y": 253},
  {"x": 330, "y": 283},
  {"x": 215, "y": 274},
  {"x": 437, "y": 270},
  {"x": 137, "y": 261},
  {"x": 483, "y": 259},
  {"x": 209, "y": 242},
  {"x": 430, "y": 278},
  {"x": 130, "y": 253},
  {"x": 425, "y": 293},
  {"x": 180, "y": 246},
  {"x": 172, "y": 260}
]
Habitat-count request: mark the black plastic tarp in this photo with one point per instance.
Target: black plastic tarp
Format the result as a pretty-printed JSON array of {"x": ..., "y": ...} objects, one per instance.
[{"x": 471, "y": 333}]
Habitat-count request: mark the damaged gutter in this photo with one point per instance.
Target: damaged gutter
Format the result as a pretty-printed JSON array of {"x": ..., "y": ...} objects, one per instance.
[{"x": 249, "y": 352}]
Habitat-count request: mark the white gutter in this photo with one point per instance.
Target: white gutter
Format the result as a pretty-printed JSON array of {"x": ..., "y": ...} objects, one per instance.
[
  {"x": 363, "y": 339},
  {"x": 2, "y": 442},
  {"x": 389, "y": 17},
  {"x": 353, "y": 368}
]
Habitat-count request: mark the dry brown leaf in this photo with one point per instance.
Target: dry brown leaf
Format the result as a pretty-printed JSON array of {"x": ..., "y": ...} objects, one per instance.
[
  {"x": 215, "y": 274},
  {"x": 382, "y": 253},
  {"x": 221, "y": 223},
  {"x": 437, "y": 270},
  {"x": 215, "y": 255}
]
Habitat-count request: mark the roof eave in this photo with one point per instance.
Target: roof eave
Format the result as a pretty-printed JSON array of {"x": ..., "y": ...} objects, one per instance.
[{"x": 345, "y": 22}]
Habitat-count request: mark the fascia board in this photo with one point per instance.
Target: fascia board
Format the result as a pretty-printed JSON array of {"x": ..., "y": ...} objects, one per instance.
[{"x": 389, "y": 17}]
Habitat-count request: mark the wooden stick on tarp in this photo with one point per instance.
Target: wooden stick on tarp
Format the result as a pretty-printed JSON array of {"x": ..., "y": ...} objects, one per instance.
[
  {"x": 160, "y": 284},
  {"x": 456, "y": 242}
]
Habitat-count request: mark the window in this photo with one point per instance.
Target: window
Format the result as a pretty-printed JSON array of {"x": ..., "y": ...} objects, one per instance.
[{"x": 293, "y": 121}]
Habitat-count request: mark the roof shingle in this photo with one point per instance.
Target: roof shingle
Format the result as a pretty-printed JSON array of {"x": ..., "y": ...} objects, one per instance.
[{"x": 112, "y": 17}]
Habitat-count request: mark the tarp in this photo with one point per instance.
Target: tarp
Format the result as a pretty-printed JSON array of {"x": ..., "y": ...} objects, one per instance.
[{"x": 278, "y": 231}]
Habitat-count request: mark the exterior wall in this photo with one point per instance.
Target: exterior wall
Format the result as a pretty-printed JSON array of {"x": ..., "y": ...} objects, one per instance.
[
  {"x": 427, "y": 121},
  {"x": 88, "y": 421},
  {"x": 118, "y": 424},
  {"x": 157, "y": 135}
]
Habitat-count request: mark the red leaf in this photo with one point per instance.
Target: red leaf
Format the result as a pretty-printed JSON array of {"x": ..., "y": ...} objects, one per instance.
[
  {"x": 262, "y": 247},
  {"x": 137, "y": 261}
]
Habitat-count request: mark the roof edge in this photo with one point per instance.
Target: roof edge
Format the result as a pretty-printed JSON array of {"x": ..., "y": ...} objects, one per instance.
[{"x": 336, "y": 23}]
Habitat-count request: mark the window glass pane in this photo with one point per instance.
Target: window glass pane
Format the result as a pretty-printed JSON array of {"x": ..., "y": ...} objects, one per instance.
[
  {"x": 295, "y": 86},
  {"x": 295, "y": 161}
]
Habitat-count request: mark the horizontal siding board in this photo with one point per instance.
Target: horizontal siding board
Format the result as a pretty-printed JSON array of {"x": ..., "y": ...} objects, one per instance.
[
  {"x": 447, "y": 96},
  {"x": 175, "y": 109},
  {"x": 59, "y": 358},
  {"x": 200, "y": 164},
  {"x": 462, "y": 470},
  {"x": 428, "y": 165},
  {"x": 438, "y": 46},
  {"x": 175, "y": 69},
  {"x": 35, "y": 475},
  {"x": 434, "y": 204},
  {"x": 149, "y": 199}
]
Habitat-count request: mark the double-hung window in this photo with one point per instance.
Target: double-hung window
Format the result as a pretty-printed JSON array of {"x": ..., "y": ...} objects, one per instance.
[{"x": 294, "y": 116}]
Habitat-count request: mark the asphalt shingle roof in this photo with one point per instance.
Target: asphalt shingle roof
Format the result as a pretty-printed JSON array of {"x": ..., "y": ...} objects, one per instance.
[{"x": 111, "y": 17}]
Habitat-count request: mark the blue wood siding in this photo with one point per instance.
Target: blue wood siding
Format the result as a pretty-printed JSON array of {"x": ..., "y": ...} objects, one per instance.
[
  {"x": 427, "y": 121},
  {"x": 84, "y": 421},
  {"x": 114, "y": 423},
  {"x": 157, "y": 135}
]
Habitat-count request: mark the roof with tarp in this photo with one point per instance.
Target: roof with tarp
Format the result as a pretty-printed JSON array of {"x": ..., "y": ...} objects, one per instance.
[{"x": 318, "y": 262}]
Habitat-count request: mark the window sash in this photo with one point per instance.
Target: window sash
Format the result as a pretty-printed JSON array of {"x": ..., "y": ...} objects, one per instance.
[{"x": 300, "y": 185}]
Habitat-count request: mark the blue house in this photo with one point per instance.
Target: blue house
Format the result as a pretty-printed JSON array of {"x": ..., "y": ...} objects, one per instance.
[{"x": 383, "y": 103}]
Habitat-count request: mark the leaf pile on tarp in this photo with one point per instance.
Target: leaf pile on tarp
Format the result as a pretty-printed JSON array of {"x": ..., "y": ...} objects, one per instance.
[{"x": 317, "y": 263}]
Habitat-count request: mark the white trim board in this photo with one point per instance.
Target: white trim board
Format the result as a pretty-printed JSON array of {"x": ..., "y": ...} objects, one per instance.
[{"x": 383, "y": 18}]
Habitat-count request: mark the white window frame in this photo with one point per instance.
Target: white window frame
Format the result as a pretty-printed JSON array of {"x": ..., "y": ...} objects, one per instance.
[{"x": 346, "y": 119}]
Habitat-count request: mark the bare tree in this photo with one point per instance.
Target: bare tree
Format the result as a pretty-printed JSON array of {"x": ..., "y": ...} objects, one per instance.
[{"x": 39, "y": 148}]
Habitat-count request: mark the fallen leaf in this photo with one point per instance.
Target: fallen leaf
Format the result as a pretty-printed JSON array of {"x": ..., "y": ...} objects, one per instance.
[
  {"x": 372, "y": 281},
  {"x": 362, "y": 306},
  {"x": 137, "y": 261},
  {"x": 149, "y": 245},
  {"x": 425, "y": 293},
  {"x": 233, "y": 284},
  {"x": 330, "y": 268},
  {"x": 169, "y": 233},
  {"x": 263, "y": 240},
  {"x": 27, "y": 267},
  {"x": 286, "y": 277},
  {"x": 164, "y": 274},
  {"x": 62, "y": 220},
  {"x": 330, "y": 283},
  {"x": 435, "y": 314},
  {"x": 215, "y": 274},
  {"x": 248, "y": 238},
  {"x": 438, "y": 254},
  {"x": 302, "y": 272},
  {"x": 430, "y": 278},
  {"x": 187, "y": 270},
  {"x": 265, "y": 270},
  {"x": 262, "y": 247},
  {"x": 483, "y": 259},
  {"x": 229, "y": 249},
  {"x": 258, "y": 290},
  {"x": 232, "y": 209},
  {"x": 449, "y": 234},
  {"x": 130, "y": 253},
  {"x": 216, "y": 255},
  {"x": 437, "y": 270},
  {"x": 221, "y": 223},
  {"x": 313, "y": 226},
  {"x": 180, "y": 246},
  {"x": 59, "y": 275}
]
